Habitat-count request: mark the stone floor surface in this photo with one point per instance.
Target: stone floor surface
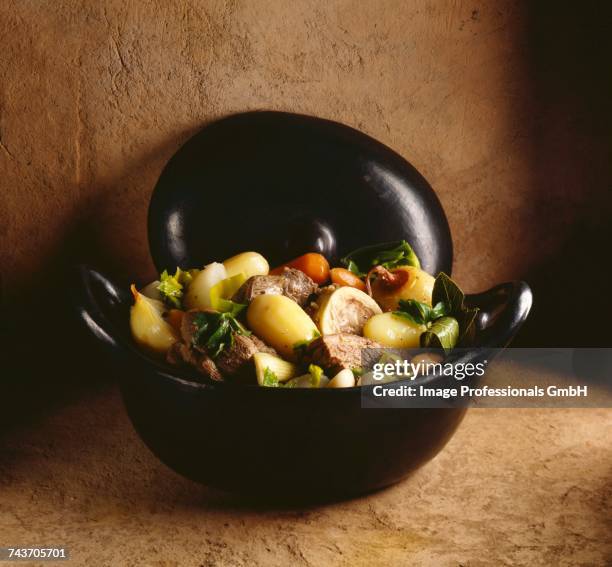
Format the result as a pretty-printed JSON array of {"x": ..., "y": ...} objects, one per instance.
[{"x": 513, "y": 487}]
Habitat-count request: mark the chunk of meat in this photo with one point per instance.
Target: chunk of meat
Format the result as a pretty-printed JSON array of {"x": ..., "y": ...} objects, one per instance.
[
  {"x": 292, "y": 283},
  {"x": 229, "y": 361},
  {"x": 207, "y": 366},
  {"x": 189, "y": 326},
  {"x": 181, "y": 354},
  {"x": 297, "y": 285},
  {"x": 261, "y": 346},
  {"x": 233, "y": 357},
  {"x": 335, "y": 352}
]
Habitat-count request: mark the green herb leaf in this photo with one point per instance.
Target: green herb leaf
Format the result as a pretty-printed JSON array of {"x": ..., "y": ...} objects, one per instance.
[
  {"x": 415, "y": 311},
  {"x": 300, "y": 346},
  {"x": 315, "y": 375},
  {"x": 420, "y": 313},
  {"x": 353, "y": 267},
  {"x": 231, "y": 307},
  {"x": 389, "y": 255},
  {"x": 442, "y": 334},
  {"x": 186, "y": 276},
  {"x": 171, "y": 289},
  {"x": 446, "y": 291},
  {"x": 406, "y": 315},
  {"x": 440, "y": 309},
  {"x": 219, "y": 338},
  {"x": 401, "y": 255},
  {"x": 215, "y": 331},
  {"x": 270, "y": 379},
  {"x": 202, "y": 323}
]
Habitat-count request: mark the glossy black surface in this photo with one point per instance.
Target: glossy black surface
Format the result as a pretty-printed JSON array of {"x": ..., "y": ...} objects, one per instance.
[
  {"x": 284, "y": 184},
  {"x": 278, "y": 443}
]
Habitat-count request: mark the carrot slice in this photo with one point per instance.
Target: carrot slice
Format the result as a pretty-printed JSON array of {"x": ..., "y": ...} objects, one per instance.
[
  {"x": 174, "y": 317},
  {"x": 341, "y": 276}
]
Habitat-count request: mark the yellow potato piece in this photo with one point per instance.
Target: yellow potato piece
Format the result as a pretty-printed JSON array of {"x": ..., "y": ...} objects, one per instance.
[
  {"x": 280, "y": 322},
  {"x": 247, "y": 263},
  {"x": 392, "y": 331}
]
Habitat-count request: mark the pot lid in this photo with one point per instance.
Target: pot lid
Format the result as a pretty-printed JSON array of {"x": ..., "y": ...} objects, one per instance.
[{"x": 285, "y": 184}]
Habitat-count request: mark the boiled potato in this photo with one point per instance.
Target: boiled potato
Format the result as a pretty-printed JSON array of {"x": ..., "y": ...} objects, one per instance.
[
  {"x": 392, "y": 331},
  {"x": 149, "y": 328},
  {"x": 418, "y": 285},
  {"x": 198, "y": 292},
  {"x": 280, "y": 322},
  {"x": 247, "y": 263}
]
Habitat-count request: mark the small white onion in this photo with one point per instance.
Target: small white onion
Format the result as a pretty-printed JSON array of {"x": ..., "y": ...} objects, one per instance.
[
  {"x": 150, "y": 290},
  {"x": 344, "y": 379},
  {"x": 198, "y": 293}
]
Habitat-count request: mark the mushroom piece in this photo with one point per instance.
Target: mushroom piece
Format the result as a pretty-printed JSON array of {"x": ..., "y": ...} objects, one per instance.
[{"x": 343, "y": 310}]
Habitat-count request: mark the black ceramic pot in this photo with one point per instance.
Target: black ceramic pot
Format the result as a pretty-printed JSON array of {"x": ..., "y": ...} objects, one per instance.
[{"x": 283, "y": 185}]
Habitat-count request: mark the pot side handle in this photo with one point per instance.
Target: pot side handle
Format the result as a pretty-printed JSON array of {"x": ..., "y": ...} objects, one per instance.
[
  {"x": 96, "y": 299},
  {"x": 503, "y": 310}
]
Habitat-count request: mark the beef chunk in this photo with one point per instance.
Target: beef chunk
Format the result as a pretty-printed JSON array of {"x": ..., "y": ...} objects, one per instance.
[
  {"x": 297, "y": 285},
  {"x": 188, "y": 326},
  {"x": 292, "y": 283},
  {"x": 181, "y": 354},
  {"x": 231, "y": 358},
  {"x": 229, "y": 361},
  {"x": 234, "y": 357},
  {"x": 335, "y": 352},
  {"x": 261, "y": 346},
  {"x": 258, "y": 285},
  {"x": 207, "y": 365}
]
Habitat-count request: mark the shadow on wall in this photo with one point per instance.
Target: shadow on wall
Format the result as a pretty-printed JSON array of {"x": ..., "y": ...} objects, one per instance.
[
  {"x": 47, "y": 358},
  {"x": 569, "y": 47}
]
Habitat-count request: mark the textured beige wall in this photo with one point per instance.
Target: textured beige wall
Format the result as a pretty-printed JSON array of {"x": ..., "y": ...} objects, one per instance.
[
  {"x": 481, "y": 97},
  {"x": 95, "y": 98}
]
